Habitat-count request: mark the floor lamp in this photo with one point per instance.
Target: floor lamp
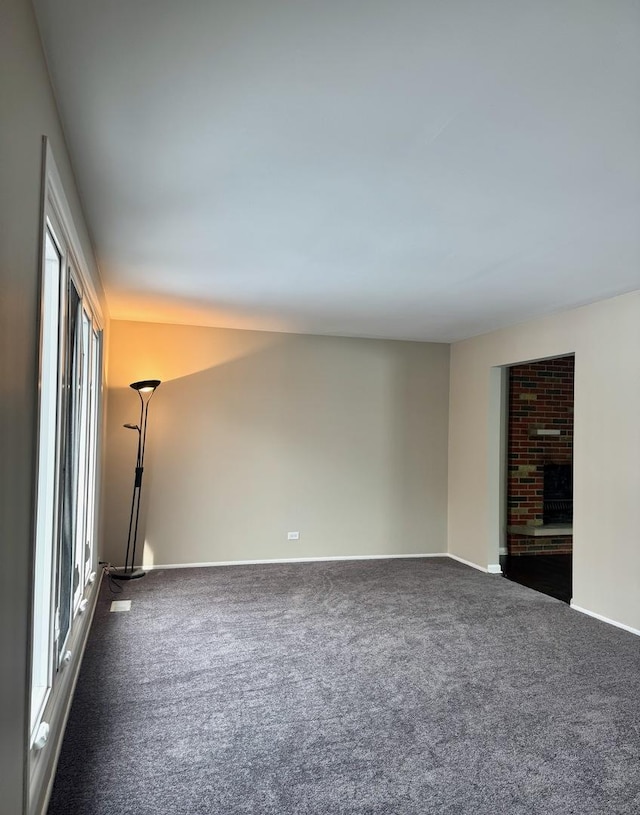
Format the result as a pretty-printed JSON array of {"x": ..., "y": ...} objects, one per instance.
[{"x": 145, "y": 390}]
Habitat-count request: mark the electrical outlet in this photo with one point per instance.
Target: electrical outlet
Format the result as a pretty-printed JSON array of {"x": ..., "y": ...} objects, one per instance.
[{"x": 293, "y": 536}]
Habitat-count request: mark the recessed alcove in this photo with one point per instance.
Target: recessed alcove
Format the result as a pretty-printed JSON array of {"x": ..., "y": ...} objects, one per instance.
[{"x": 540, "y": 470}]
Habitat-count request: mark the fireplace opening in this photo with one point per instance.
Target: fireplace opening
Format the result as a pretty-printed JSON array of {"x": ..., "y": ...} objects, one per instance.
[{"x": 557, "y": 493}]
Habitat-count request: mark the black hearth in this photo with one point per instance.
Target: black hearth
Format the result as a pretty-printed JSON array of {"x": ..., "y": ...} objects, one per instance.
[{"x": 557, "y": 496}]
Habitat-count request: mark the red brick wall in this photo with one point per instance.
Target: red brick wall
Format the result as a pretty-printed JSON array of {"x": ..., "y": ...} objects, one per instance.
[{"x": 540, "y": 396}]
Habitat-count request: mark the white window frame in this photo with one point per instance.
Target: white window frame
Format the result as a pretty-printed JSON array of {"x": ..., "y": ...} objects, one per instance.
[{"x": 57, "y": 221}]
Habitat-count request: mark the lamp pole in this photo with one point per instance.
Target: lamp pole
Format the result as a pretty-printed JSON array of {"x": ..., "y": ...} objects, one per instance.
[{"x": 145, "y": 390}]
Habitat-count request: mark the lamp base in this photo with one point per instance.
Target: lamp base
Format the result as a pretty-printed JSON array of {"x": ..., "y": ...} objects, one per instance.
[{"x": 125, "y": 574}]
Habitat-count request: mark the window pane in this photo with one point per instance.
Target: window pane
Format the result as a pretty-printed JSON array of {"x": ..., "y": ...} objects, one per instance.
[
  {"x": 46, "y": 484},
  {"x": 94, "y": 394},
  {"x": 66, "y": 560},
  {"x": 82, "y": 430}
]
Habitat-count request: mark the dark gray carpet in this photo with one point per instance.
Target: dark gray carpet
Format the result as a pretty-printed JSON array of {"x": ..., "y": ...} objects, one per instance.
[{"x": 411, "y": 687}]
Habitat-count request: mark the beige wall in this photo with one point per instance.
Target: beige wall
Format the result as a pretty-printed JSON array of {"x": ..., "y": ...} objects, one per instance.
[
  {"x": 254, "y": 434},
  {"x": 606, "y": 340}
]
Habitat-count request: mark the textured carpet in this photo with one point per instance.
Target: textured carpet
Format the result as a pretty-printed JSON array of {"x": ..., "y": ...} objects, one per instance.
[{"x": 409, "y": 687}]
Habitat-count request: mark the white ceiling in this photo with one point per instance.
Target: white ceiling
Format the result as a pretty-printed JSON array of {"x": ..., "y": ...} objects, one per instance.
[{"x": 412, "y": 169}]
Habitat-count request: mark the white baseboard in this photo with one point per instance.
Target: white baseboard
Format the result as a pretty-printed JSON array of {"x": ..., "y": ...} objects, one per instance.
[
  {"x": 605, "y": 619},
  {"x": 492, "y": 568},
  {"x": 285, "y": 560}
]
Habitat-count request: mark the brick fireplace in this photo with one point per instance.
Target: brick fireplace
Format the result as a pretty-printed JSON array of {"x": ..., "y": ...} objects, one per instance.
[{"x": 540, "y": 441}]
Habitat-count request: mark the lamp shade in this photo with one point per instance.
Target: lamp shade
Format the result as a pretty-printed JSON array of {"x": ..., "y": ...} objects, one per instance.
[{"x": 145, "y": 385}]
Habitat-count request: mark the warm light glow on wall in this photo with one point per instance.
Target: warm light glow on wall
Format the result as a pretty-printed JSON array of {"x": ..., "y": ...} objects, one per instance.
[
  {"x": 148, "y": 560},
  {"x": 137, "y": 348}
]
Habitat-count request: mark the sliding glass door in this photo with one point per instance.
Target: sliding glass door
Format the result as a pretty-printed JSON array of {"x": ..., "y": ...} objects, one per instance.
[{"x": 68, "y": 441}]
